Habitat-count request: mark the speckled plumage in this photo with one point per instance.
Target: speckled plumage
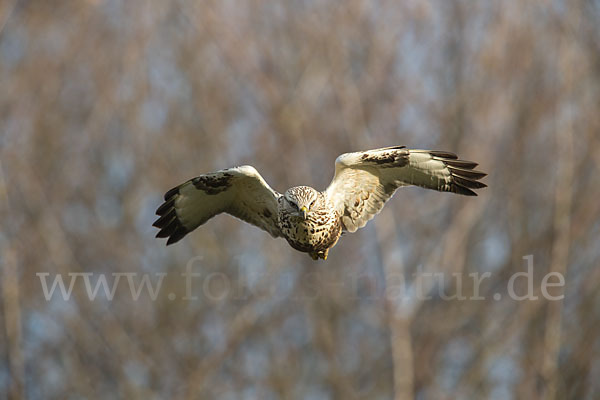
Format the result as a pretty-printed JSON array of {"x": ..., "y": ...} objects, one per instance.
[
  {"x": 314, "y": 233},
  {"x": 312, "y": 221}
]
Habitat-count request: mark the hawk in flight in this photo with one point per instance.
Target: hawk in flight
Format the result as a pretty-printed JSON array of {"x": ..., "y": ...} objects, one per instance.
[{"x": 313, "y": 221}]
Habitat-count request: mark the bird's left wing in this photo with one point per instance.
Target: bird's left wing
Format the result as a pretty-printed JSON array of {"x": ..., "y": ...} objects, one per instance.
[
  {"x": 239, "y": 191},
  {"x": 365, "y": 180}
]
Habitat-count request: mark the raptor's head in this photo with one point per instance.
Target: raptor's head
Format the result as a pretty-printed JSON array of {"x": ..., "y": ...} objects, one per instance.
[{"x": 300, "y": 200}]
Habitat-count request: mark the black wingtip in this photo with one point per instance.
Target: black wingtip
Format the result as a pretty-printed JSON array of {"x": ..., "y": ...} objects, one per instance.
[
  {"x": 165, "y": 218},
  {"x": 168, "y": 222},
  {"x": 171, "y": 193},
  {"x": 458, "y": 189},
  {"x": 179, "y": 233},
  {"x": 166, "y": 206},
  {"x": 463, "y": 164},
  {"x": 468, "y": 183},
  {"x": 466, "y": 173},
  {"x": 465, "y": 179},
  {"x": 444, "y": 154}
]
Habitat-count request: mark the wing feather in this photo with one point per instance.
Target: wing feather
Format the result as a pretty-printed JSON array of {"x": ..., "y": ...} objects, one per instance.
[
  {"x": 239, "y": 191},
  {"x": 365, "y": 180}
]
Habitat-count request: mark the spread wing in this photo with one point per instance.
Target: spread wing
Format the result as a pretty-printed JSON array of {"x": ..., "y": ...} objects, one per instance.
[
  {"x": 239, "y": 191},
  {"x": 365, "y": 180}
]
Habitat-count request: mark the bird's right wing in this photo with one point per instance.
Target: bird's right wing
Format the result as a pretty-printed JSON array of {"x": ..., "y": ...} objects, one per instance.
[
  {"x": 239, "y": 191},
  {"x": 365, "y": 180}
]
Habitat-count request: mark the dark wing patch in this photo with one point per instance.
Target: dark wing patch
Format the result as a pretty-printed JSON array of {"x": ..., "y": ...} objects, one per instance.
[
  {"x": 390, "y": 157},
  {"x": 212, "y": 184}
]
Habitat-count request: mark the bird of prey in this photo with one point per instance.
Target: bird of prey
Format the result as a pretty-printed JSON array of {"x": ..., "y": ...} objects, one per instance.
[{"x": 313, "y": 221}]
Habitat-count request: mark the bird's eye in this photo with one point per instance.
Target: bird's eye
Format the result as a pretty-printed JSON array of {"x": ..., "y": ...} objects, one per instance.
[{"x": 312, "y": 203}]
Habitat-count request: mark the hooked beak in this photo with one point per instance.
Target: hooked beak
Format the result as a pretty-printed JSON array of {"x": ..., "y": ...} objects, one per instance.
[{"x": 304, "y": 211}]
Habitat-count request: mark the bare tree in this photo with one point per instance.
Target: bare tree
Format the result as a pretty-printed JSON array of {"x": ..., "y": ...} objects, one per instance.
[{"x": 105, "y": 105}]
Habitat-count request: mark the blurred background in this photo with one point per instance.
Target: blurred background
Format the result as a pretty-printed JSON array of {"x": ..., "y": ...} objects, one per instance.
[{"x": 105, "y": 105}]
